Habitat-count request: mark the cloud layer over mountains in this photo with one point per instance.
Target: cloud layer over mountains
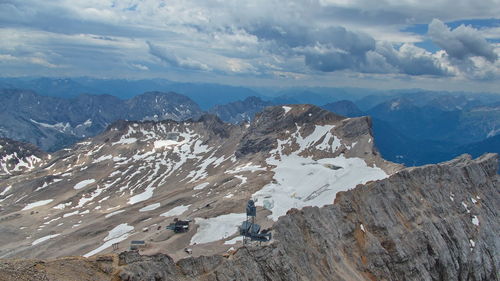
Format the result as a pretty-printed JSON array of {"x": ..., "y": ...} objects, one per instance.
[{"x": 257, "y": 39}]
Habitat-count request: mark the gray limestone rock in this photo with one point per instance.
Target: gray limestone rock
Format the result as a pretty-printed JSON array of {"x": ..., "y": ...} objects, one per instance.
[{"x": 436, "y": 222}]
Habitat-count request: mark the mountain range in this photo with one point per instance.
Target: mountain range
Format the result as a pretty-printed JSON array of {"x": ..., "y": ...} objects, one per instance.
[
  {"x": 206, "y": 95},
  {"x": 411, "y": 127},
  {"x": 335, "y": 207},
  {"x": 408, "y": 130},
  {"x": 436, "y": 222},
  {"x": 128, "y": 182},
  {"x": 52, "y": 123}
]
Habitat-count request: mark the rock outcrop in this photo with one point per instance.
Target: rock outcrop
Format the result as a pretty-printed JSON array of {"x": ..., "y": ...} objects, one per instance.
[{"x": 435, "y": 222}]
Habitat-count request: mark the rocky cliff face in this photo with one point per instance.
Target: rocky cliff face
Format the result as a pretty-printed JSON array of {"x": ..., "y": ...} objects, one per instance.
[{"x": 436, "y": 222}]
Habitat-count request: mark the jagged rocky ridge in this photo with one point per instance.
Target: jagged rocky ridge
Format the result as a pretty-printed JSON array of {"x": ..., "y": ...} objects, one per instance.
[{"x": 435, "y": 222}]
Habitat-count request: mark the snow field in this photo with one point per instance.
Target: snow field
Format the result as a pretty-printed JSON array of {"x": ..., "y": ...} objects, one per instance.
[{"x": 217, "y": 228}]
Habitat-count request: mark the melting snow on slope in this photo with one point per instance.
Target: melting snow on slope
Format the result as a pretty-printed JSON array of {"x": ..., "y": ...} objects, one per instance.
[
  {"x": 125, "y": 141},
  {"x": 245, "y": 168},
  {"x": 62, "y": 206},
  {"x": 84, "y": 183},
  {"x": 234, "y": 240},
  {"x": 286, "y": 108},
  {"x": 22, "y": 162},
  {"x": 37, "y": 204},
  {"x": 177, "y": 211},
  {"x": 475, "y": 221},
  {"x": 201, "y": 186},
  {"x": 242, "y": 178},
  {"x": 43, "y": 239},
  {"x": 114, "y": 213},
  {"x": 148, "y": 193},
  {"x": 115, "y": 235},
  {"x": 166, "y": 143},
  {"x": 217, "y": 228},
  {"x": 301, "y": 181},
  {"x": 304, "y": 182},
  {"x": 103, "y": 158},
  {"x": 150, "y": 207},
  {"x": 61, "y": 127},
  {"x": 5, "y": 190}
]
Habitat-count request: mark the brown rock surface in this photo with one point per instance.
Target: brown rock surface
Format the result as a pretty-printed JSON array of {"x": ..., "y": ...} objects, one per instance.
[{"x": 435, "y": 222}]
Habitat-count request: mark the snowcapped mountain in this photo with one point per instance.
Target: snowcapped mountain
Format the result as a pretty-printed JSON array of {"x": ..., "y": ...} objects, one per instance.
[
  {"x": 52, "y": 123},
  {"x": 130, "y": 181}
]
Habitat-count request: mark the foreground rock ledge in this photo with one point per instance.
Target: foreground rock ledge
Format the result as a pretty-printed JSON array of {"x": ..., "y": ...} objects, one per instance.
[{"x": 435, "y": 222}]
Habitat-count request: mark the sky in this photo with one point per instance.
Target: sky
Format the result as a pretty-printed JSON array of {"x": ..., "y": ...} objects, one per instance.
[{"x": 439, "y": 45}]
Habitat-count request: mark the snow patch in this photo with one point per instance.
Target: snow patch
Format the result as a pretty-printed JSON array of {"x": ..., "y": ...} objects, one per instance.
[
  {"x": 166, "y": 143},
  {"x": 150, "y": 207},
  {"x": 62, "y": 206},
  {"x": 234, "y": 240},
  {"x": 475, "y": 220},
  {"x": 201, "y": 186},
  {"x": 218, "y": 228},
  {"x": 84, "y": 183},
  {"x": 114, "y": 213},
  {"x": 103, "y": 158},
  {"x": 472, "y": 244},
  {"x": 5, "y": 190},
  {"x": 177, "y": 211},
  {"x": 37, "y": 204},
  {"x": 466, "y": 207},
  {"x": 246, "y": 168},
  {"x": 43, "y": 239},
  {"x": 148, "y": 193},
  {"x": 286, "y": 109},
  {"x": 116, "y": 235},
  {"x": 242, "y": 178}
]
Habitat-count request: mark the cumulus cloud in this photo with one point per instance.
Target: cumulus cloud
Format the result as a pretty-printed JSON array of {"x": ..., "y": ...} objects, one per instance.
[
  {"x": 336, "y": 48},
  {"x": 412, "y": 60},
  {"x": 462, "y": 42},
  {"x": 294, "y": 39},
  {"x": 326, "y": 49}
]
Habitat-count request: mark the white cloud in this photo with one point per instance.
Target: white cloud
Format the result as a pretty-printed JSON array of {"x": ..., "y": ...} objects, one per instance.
[
  {"x": 299, "y": 40},
  {"x": 462, "y": 42}
]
